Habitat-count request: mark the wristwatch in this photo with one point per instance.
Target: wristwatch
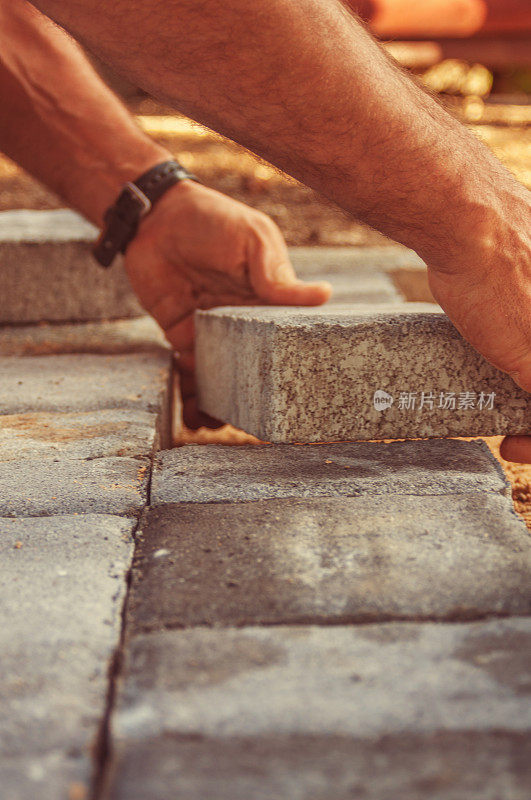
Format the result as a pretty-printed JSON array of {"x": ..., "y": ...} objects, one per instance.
[{"x": 135, "y": 201}]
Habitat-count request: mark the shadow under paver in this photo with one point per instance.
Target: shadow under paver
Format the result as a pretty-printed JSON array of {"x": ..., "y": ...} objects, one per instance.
[
  {"x": 62, "y": 588},
  {"x": 35, "y": 487},
  {"x": 350, "y": 372},
  {"x": 330, "y": 560},
  {"x": 216, "y": 473},
  {"x": 383, "y": 712}
]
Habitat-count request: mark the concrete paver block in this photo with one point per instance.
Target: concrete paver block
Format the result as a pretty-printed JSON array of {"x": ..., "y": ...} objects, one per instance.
[
  {"x": 216, "y": 473},
  {"x": 138, "y": 335},
  {"x": 364, "y": 287},
  {"x": 402, "y": 710},
  {"x": 44, "y": 486},
  {"x": 310, "y": 262},
  {"x": 82, "y": 435},
  {"x": 49, "y": 273},
  {"x": 299, "y": 375},
  {"x": 368, "y": 558},
  {"x": 63, "y": 585},
  {"x": 445, "y": 766},
  {"x": 84, "y": 382}
]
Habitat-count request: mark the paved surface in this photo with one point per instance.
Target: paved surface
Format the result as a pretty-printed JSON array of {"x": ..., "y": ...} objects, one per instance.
[
  {"x": 62, "y": 590},
  {"x": 249, "y": 472},
  {"x": 459, "y": 556},
  {"x": 350, "y": 372},
  {"x": 77, "y": 436},
  {"x": 58, "y": 245},
  {"x": 245, "y": 651},
  {"x": 381, "y": 712}
]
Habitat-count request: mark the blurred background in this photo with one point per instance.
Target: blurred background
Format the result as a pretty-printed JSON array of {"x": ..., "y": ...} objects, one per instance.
[{"x": 475, "y": 54}]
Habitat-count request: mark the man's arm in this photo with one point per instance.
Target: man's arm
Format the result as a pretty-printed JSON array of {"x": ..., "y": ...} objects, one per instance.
[
  {"x": 197, "y": 248},
  {"x": 304, "y": 85}
]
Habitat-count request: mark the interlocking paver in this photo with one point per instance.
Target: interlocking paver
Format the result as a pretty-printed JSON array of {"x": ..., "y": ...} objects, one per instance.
[
  {"x": 83, "y": 382},
  {"x": 331, "y": 560},
  {"x": 57, "y": 244},
  {"x": 215, "y": 473},
  {"x": 63, "y": 582},
  {"x": 352, "y": 261},
  {"x": 82, "y": 435},
  {"x": 35, "y": 487},
  {"x": 141, "y": 334},
  {"x": 350, "y": 372},
  {"x": 400, "y": 711}
]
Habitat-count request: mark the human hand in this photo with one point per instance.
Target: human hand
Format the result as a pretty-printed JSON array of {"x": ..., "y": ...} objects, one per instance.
[
  {"x": 486, "y": 292},
  {"x": 198, "y": 249}
]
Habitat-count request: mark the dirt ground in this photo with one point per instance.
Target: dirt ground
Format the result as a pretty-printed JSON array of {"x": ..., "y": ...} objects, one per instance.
[{"x": 304, "y": 217}]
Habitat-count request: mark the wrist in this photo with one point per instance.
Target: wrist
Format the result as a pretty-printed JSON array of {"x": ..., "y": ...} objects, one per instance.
[
  {"x": 127, "y": 169},
  {"x": 136, "y": 200}
]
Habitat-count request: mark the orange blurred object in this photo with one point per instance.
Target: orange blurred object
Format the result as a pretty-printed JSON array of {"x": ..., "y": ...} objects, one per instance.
[{"x": 444, "y": 18}]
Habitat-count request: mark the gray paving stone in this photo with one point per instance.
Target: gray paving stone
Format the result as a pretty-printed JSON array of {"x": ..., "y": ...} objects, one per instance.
[
  {"x": 357, "y": 275},
  {"x": 63, "y": 582},
  {"x": 84, "y": 382},
  {"x": 44, "y": 486},
  {"x": 82, "y": 435},
  {"x": 368, "y": 558},
  {"x": 445, "y": 766},
  {"x": 381, "y": 712},
  {"x": 352, "y": 261},
  {"x": 138, "y": 335},
  {"x": 302, "y": 375},
  {"x": 216, "y": 473},
  {"x": 360, "y": 287},
  {"x": 48, "y": 272}
]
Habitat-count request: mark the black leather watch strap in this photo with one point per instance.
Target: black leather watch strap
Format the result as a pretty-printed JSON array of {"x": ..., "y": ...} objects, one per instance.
[{"x": 134, "y": 202}]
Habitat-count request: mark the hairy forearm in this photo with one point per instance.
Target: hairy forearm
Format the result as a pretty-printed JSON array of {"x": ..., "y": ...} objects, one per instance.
[
  {"x": 306, "y": 87},
  {"x": 58, "y": 120}
]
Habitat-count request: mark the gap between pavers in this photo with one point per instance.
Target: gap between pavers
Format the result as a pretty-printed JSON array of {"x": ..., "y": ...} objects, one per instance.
[
  {"x": 215, "y": 473},
  {"x": 63, "y": 583},
  {"x": 352, "y": 372},
  {"x": 387, "y": 712}
]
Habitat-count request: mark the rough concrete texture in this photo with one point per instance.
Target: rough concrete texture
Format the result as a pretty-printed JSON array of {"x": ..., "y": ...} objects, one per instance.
[
  {"x": 82, "y": 435},
  {"x": 403, "y": 711},
  {"x": 63, "y": 585},
  {"x": 357, "y": 275},
  {"x": 336, "y": 681},
  {"x": 49, "y": 273},
  {"x": 360, "y": 287},
  {"x": 299, "y": 375},
  {"x": 339, "y": 560},
  {"x": 216, "y": 473},
  {"x": 113, "y": 336},
  {"x": 84, "y": 382},
  {"x": 44, "y": 486},
  {"x": 352, "y": 261},
  {"x": 441, "y": 766}
]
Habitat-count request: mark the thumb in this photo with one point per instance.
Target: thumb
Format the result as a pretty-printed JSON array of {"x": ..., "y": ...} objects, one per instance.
[
  {"x": 274, "y": 280},
  {"x": 286, "y": 289}
]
